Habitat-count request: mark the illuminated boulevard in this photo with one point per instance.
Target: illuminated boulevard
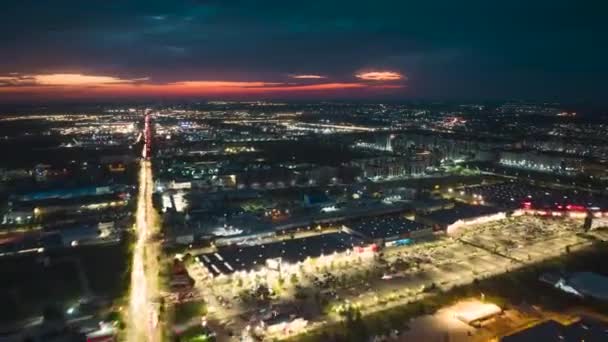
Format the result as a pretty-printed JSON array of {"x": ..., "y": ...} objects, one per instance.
[{"x": 143, "y": 311}]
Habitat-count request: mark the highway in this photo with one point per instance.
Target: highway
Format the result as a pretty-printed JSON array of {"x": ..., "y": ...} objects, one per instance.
[{"x": 143, "y": 320}]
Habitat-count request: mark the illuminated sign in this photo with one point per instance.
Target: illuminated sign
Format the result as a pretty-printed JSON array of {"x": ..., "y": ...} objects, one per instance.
[{"x": 401, "y": 242}]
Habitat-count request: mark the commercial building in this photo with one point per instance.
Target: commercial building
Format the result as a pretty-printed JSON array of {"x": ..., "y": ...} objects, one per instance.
[
  {"x": 236, "y": 258},
  {"x": 474, "y": 312},
  {"x": 69, "y": 193},
  {"x": 389, "y": 230},
  {"x": 450, "y": 220},
  {"x": 514, "y": 195},
  {"x": 251, "y": 228}
]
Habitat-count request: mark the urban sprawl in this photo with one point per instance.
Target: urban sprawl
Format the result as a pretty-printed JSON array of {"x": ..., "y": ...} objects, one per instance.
[{"x": 271, "y": 221}]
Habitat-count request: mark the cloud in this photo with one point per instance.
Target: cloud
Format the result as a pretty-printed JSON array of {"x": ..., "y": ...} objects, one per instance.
[
  {"x": 81, "y": 80},
  {"x": 380, "y": 76},
  {"x": 14, "y": 80},
  {"x": 312, "y": 77},
  {"x": 64, "y": 80}
]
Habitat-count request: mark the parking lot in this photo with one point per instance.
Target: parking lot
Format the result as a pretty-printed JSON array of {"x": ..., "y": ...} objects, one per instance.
[
  {"x": 512, "y": 194},
  {"x": 397, "y": 275},
  {"x": 527, "y": 238}
]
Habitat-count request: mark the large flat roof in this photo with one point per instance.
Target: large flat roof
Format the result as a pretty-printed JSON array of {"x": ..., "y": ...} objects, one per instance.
[
  {"x": 460, "y": 212},
  {"x": 470, "y": 311},
  {"x": 590, "y": 284},
  {"x": 584, "y": 330},
  {"x": 235, "y": 258},
  {"x": 383, "y": 227},
  {"x": 511, "y": 195}
]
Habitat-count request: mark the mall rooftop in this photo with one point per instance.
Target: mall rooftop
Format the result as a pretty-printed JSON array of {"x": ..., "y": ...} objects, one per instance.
[{"x": 244, "y": 258}]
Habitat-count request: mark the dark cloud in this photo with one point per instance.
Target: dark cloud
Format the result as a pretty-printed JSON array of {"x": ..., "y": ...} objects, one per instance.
[{"x": 461, "y": 49}]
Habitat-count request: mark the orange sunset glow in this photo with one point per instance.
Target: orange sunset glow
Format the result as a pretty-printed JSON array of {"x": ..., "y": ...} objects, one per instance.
[
  {"x": 311, "y": 77},
  {"x": 81, "y": 85},
  {"x": 380, "y": 76}
]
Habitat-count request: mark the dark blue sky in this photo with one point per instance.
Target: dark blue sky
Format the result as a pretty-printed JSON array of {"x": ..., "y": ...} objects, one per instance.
[{"x": 554, "y": 50}]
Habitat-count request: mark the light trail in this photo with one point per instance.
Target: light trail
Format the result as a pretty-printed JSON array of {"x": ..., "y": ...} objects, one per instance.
[{"x": 143, "y": 312}]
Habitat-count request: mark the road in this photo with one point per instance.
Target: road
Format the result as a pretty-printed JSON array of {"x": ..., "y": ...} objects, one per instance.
[{"x": 143, "y": 311}]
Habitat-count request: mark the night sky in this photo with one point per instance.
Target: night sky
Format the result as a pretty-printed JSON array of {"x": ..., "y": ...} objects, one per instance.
[{"x": 461, "y": 50}]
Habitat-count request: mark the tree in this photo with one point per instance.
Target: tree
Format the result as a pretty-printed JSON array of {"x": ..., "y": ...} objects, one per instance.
[
  {"x": 293, "y": 279},
  {"x": 355, "y": 327},
  {"x": 199, "y": 338},
  {"x": 188, "y": 259}
]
